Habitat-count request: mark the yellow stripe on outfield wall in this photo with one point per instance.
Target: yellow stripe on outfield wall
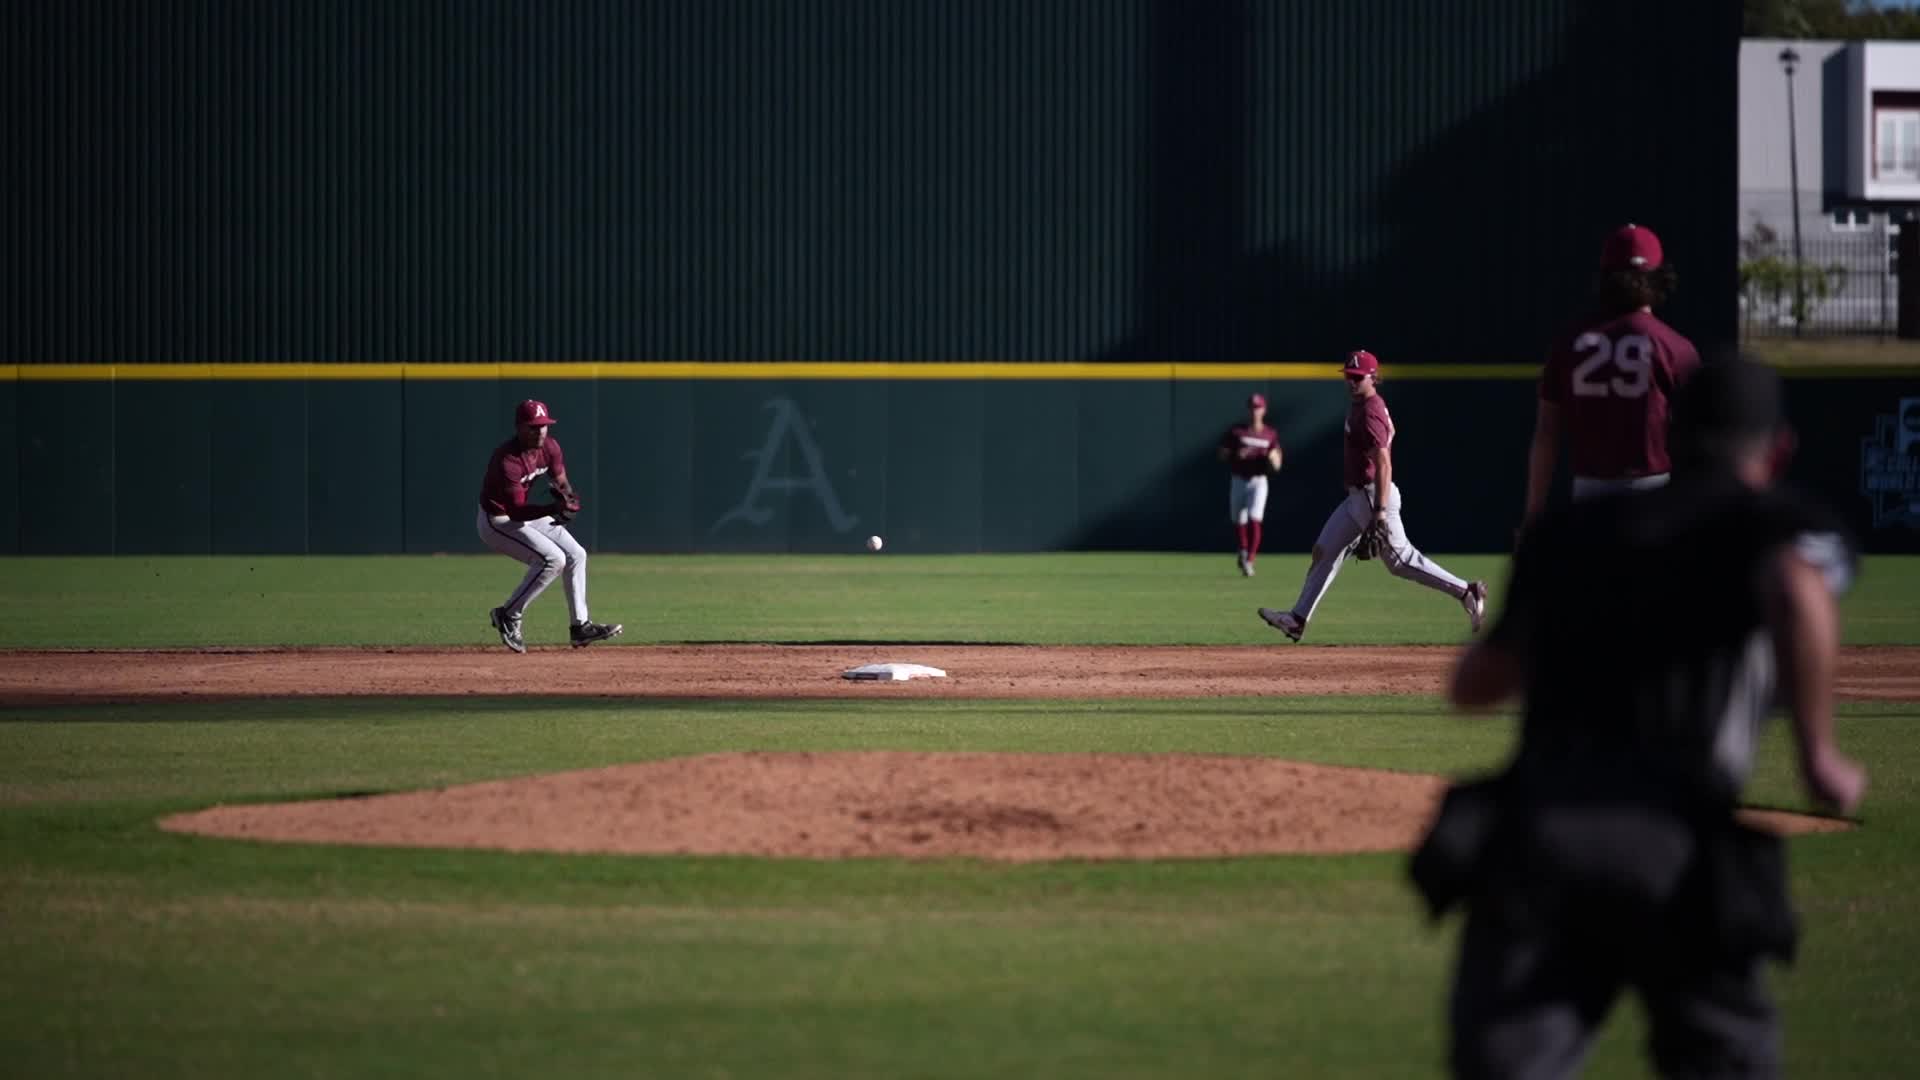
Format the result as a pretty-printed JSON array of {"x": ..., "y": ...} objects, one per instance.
[
  {"x": 880, "y": 370},
  {"x": 964, "y": 370},
  {"x": 198, "y": 372}
]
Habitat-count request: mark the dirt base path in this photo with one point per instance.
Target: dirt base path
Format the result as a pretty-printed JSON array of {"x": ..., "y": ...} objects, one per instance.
[{"x": 790, "y": 671}]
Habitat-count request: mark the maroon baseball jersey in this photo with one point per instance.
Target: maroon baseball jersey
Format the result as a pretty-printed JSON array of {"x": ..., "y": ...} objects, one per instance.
[
  {"x": 1612, "y": 381},
  {"x": 1368, "y": 428},
  {"x": 1247, "y": 448},
  {"x": 503, "y": 490}
]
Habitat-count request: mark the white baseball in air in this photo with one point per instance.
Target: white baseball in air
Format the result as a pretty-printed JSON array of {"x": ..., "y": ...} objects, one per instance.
[{"x": 874, "y": 543}]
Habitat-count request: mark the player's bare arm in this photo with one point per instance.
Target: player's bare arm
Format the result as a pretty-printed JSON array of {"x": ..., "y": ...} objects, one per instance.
[
  {"x": 566, "y": 501},
  {"x": 1382, "y": 481},
  {"x": 1273, "y": 459},
  {"x": 1541, "y": 456},
  {"x": 1804, "y": 623}
]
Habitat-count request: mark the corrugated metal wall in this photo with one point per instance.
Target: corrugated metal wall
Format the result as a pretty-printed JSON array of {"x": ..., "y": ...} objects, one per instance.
[
  {"x": 1435, "y": 179},
  {"x": 481, "y": 180}
]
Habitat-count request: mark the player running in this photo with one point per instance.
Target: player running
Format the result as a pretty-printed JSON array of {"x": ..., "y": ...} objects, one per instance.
[
  {"x": 1371, "y": 512},
  {"x": 1251, "y": 452},
  {"x": 1607, "y": 383},
  {"x": 535, "y": 533}
]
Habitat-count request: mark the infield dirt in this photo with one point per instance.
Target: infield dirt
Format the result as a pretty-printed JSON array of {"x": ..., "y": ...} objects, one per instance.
[
  {"x": 790, "y": 671},
  {"x": 1014, "y": 807}
]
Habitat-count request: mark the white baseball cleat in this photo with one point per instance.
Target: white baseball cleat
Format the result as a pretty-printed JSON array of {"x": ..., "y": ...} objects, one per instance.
[
  {"x": 1246, "y": 565},
  {"x": 1284, "y": 621},
  {"x": 1475, "y": 601}
]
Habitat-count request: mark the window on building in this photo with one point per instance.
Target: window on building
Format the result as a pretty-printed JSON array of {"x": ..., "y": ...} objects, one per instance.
[
  {"x": 1851, "y": 219},
  {"x": 1896, "y": 151}
]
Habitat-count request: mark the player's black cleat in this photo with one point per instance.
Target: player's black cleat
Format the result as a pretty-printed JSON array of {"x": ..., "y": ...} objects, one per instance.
[
  {"x": 586, "y": 633},
  {"x": 1284, "y": 621},
  {"x": 509, "y": 627}
]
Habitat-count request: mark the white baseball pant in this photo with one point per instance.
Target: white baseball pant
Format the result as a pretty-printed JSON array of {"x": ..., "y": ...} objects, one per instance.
[
  {"x": 1343, "y": 527},
  {"x": 1247, "y": 499},
  {"x": 1587, "y": 487},
  {"x": 548, "y": 550}
]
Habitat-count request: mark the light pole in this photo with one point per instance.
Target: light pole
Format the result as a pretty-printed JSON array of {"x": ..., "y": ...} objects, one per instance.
[{"x": 1791, "y": 60}]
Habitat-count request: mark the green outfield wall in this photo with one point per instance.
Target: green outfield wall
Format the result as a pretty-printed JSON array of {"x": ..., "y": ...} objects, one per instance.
[{"x": 730, "y": 458}]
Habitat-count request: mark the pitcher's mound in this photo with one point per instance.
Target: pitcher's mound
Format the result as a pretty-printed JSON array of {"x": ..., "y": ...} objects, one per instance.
[{"x": 1015, "y": 807}]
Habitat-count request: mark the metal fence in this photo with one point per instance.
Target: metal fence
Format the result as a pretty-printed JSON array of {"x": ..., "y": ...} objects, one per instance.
[{"x": 1849, "y": 281}]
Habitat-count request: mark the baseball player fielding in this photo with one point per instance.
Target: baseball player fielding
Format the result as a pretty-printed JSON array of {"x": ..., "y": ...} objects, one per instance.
[{"x": 535, "y": 533}]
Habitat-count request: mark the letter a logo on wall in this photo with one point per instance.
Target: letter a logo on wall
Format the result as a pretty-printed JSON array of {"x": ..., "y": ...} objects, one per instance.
[
  {"x": 787, "y": 423},
  {"x": 1890, "y": 466}
]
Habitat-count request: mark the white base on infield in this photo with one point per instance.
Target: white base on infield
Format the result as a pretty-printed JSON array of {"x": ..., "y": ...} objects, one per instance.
[{"x": 893, "y": 672}]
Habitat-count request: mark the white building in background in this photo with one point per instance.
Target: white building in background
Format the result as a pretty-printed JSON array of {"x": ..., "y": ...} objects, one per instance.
[{"x": 1856, "y": 123}]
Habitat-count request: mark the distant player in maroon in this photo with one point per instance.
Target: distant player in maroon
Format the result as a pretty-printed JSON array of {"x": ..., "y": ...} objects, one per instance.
[
  {"x": 1251, "y": 452},
  {"x": 1608, "y": 381},
  {"x": 534, "y": 533},
  {"x": 1372, "y": 501}
]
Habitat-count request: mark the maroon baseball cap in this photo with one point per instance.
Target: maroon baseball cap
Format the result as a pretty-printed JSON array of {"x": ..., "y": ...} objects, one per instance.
[
  {"x": 1631, "y": 247},
  {"x": 1361, "y": 362},
  {"x": 1257, "y": 401},
  {"x": 533, "y": 412}
]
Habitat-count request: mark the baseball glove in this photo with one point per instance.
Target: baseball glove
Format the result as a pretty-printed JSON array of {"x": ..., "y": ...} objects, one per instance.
[
  {"x": 566, "y": 504},
  {"x": 1372, "y": 542}
]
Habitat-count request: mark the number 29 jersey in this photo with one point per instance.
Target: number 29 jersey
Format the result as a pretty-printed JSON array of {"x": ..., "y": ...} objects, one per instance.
[{"x": 1613, "y": 382}]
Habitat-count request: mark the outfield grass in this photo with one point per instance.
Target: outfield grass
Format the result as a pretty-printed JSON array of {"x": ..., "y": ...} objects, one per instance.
[
  {"x": 1044, "y": 599},
  {"x": 1893, "y": 356},
  {"x": 126, "y": 951}
]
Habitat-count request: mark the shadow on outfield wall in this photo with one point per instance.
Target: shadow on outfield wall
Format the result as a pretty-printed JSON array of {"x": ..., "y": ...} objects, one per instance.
[
  {"x": 1440, "y": 272},
  {"x": 1435, "y": 259},
  {"x": 1461, "y": 479}
]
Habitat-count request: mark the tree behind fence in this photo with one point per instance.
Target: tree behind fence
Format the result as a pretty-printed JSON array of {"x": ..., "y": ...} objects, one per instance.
[{"x": 1848, "y": 281}]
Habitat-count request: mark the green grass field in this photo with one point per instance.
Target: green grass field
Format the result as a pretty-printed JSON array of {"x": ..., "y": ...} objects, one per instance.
[
  {"x": 1126, "y": 599},
  {"x": 127, "y": 951},
  {"x": 1889, "y": 354}
]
